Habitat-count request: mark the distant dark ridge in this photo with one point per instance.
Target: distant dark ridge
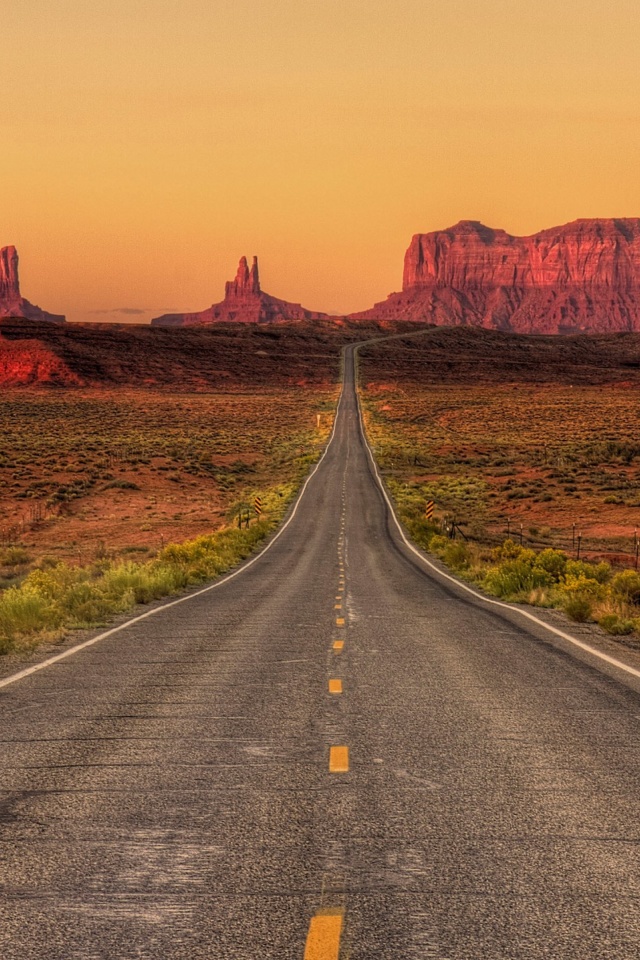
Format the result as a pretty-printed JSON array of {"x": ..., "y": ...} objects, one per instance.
[{"x": 256, "y": 356}]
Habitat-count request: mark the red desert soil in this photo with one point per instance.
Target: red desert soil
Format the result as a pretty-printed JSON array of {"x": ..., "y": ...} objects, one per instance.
[
  {"x": 540, "y": 430},
  {"x": 158, "y": 431}
]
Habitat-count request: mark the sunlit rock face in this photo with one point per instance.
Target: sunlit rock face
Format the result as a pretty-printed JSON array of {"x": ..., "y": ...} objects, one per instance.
[
  {"x": 9, "y": 283},
  {"x": 244, "y": 302},
  {"x": 584, "y": 276},
  {"x": 12, "y": 304}
]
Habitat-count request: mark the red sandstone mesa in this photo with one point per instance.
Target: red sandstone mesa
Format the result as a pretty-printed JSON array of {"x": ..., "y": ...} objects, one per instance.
[
  {"x": 584, "y": 276},
  {"x": 244, "y": 302},
  {"x": 12, "y": 304}
]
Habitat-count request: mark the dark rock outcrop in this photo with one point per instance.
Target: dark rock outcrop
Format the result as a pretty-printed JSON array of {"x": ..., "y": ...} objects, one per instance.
[
  {"x": 244, "y": 302},
  {"x": 584, "y": 276},
  {"x": 12, "y": 304}
]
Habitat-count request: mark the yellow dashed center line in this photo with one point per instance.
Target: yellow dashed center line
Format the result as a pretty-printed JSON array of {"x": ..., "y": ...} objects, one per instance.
[
  {"x": 338, "y": 645},
  {"x": 339, "y": 621},
  {"x": 323, "y": 938},
  {"x": 335, "y": 686},
  {"x": 337, "y": 606},
  {"x": 339, "y": 760}
]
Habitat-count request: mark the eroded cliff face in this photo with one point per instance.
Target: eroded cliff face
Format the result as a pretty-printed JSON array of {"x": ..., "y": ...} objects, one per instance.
[
  {"x": 584, "y": 276},
  {"x": 244, "y": 302},
  {"x": 9, "y": 283},
  {"x": 246, "y": 283},
  {"x": 12, "y": 304}
]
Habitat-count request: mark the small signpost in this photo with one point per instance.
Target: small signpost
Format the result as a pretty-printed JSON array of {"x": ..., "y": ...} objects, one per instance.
[
  {"x": 257, "y": 506},
  {"x": 428, "y": 510}
]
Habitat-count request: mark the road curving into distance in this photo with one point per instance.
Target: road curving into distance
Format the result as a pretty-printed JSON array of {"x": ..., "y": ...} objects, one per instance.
[{"x": 337, "y": 752}]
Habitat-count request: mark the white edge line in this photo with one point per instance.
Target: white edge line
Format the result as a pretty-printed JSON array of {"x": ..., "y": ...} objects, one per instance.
[
  {"x": 13, "y": 678},
  {"x": 463, "y": 586}
]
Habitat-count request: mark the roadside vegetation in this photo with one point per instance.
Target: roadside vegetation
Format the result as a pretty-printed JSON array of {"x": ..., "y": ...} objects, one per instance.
[
  {"x": 55, "y": 597},
  {"x": 546, "y": 578},
  {"x": 113, "y": 499},
  {"x": 533, "y": 466}
]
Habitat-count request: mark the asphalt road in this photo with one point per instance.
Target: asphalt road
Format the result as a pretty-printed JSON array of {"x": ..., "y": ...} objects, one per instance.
[{"x": 169, "y": 791}]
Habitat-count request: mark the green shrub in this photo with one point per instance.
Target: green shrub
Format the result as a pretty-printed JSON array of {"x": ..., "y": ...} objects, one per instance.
[
  {"x": 513, "y": 578},
  {"x": 578, "y": 608},
  {"x": 439, "y": 543},
  {"x": 601, "y": 572},
  {"x": 553, "y": 561},
  {"x": 582, "y": 585},
  {"x": 23, "y": 611},
  {"x": 615, "y": 625},
  {"x": 456, "y": 555},
  {"x": 14, "y": 557},
  {"x": 627, "y": 585},
  {"x": 508, "y": 550}
]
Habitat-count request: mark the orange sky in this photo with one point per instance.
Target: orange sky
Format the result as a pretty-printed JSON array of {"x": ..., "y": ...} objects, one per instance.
[{"x": 148, "y": 144}]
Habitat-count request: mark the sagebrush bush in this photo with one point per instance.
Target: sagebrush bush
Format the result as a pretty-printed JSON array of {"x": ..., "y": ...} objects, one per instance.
[
  {"x": 513, "y": 578},
  {"x": 578, "y": 608},
  {"x": 615, "y": 625},
  {"x": 23, "y": 611},
  {"x": 626, "y": 584},
  {"x": 14, "y": 557}
]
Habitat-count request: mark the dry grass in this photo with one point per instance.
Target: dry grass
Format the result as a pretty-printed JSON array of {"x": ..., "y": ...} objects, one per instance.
[
  {"x": 540, "y": 458},
  {"x": 89, "y": 475}
]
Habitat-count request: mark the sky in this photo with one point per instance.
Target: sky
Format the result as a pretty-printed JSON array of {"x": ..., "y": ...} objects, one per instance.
[{"x": 148, "y": 144}]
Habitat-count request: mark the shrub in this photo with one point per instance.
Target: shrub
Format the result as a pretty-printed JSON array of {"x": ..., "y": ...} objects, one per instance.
[
  {"x": 121, "y": 485},
  {"x": 456, "y": 555},
  {"x": 627, "y": 585},
  {"x": 578, "y": 608},
  {"x": 14, "y": 557},
  {"x": 616, "y": 625},
  {"x": 508, "y": 550},
  {"x": 514, "y": 578},
  {"x": 601, "y": 572},
  {"x": 553, "y": 561},
  {"x": 23, "y": 611},
  {"x": 582, "y": 585}
]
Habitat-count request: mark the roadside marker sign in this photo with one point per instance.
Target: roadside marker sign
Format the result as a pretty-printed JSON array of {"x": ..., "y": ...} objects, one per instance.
[
  {"x": 428, "y": 510},
  {"x": 257, "y": 506}
]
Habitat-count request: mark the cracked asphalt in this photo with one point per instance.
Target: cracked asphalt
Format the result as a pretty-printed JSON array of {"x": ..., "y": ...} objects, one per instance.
[{"x": 166, "y": 793}]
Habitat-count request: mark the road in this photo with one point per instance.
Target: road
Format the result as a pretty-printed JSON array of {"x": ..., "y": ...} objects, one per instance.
[{"x": 171, "y": 791}]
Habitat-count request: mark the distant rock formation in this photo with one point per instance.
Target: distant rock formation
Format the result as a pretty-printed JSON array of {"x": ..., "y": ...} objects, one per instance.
[
  {"x": 9, "y": 283},
  {"x": 12, "y": 304},
  {"x": 246, "y": 283},
  {"x": 244, "y": 302},
  {"x": 581, "y": 277}
]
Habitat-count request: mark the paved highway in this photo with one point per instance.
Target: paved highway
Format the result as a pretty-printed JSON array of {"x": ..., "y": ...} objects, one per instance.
[{"x": 336, "y": 753}]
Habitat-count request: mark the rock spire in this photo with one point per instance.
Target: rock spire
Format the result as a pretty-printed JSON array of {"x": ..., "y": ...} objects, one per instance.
[
  {"x": 12, "y": 303},
  {"x": 9, "y": 283},
  {"x": 244, "y": 302},
  {"x": 246, "y": 283}
]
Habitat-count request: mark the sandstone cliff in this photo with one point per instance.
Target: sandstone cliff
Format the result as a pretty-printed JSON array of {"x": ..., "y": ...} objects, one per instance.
[
  {"x": 244, "y": 302},
  {"x": 12, "y": 304},
  {"x": 584, "y": 276}
]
